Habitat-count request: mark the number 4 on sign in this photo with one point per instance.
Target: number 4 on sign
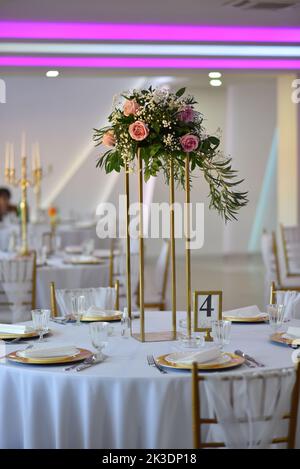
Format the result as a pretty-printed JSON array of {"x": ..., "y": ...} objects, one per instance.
[{"x": 207, "y": 306}]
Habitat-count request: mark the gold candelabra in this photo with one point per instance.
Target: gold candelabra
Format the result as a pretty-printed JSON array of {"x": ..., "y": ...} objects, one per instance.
[{"x": 23, "y": 182}]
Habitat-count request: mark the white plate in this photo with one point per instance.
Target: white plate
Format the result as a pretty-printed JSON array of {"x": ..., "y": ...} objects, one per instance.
[{"x": 174, "y": 358}]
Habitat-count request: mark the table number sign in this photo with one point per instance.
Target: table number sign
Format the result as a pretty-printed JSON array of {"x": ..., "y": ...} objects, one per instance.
[{"x": 207, "y": 307}]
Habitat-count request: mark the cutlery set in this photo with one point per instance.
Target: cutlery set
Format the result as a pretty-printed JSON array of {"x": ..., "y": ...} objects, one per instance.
[{"x": 87, "y": 363}]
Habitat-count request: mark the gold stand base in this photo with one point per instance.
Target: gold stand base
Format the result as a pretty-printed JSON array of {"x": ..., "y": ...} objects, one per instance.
[{"x": 156, "y": 336}]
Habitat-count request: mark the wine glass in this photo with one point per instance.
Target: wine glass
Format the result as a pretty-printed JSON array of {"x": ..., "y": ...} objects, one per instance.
[
  {"x": 220, "y": 331},
  {"x": 98, "y": 335},
  {"x": 40, "y": 319}
]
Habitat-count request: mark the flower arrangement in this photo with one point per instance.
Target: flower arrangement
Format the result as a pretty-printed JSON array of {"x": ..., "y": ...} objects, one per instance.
[{"x": 166, "y": 127}]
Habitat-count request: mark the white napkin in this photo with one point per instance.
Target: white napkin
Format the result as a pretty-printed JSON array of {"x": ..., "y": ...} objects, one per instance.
[
  {"x": 246, "y": 312},
  {"x": 15, "y": 329},
  {"x": 94, "y": 311},
  {"x": 73, "y": 249},
  {"x": 49, "y": 351},
  {"x": 201, "y": 356},
  {"x": 293, "y": 332}
]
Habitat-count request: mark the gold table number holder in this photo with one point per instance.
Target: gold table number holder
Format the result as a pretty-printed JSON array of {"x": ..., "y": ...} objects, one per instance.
[
  {"x": 142, "y": 335},
  {"x": 209, "y": 294}
]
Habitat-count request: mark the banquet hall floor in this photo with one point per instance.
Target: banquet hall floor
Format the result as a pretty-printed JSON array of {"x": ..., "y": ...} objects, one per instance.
[{"x": 240, "y": 277}]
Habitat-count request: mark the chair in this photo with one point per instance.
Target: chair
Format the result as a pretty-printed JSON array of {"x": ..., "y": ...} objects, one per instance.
[
  {"x": 156, "y": 299},
  {"x": 290, "y": 250},
  {"x": 246, "y": 410},
  {"x": 102, "y": 297},
  {"x": 18, "y": 292},
  {"x": 289, "y": 297}
]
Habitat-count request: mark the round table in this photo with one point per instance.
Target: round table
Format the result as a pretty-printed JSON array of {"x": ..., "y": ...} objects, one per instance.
[
  {"x": 120, "y": 403},
  {"x": 68, "y": 276}
]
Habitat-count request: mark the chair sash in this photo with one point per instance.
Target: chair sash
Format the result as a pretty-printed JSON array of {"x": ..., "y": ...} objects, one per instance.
[
  {"x": 99, "y": 297},
  {"x": 249, "y": 410}
]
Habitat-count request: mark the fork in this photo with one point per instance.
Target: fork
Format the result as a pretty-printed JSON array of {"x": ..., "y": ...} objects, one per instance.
[
  {"x": 152, "y": 362},
  {"x": 87, "y": 361}
]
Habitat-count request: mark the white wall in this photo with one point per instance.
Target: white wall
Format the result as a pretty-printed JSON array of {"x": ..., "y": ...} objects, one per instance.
[{"x": 61, "y": 113}]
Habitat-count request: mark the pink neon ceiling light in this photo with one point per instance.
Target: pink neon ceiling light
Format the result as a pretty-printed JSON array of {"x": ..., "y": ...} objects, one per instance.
[
  {"x": 146, "y": 32},
  {"x": 140, "y": 62}
]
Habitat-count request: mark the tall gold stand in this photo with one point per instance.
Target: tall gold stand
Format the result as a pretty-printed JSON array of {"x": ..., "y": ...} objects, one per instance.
[
  {"x": 173, "y": 255},
  {"x": 187, "y": 247},
  {"x": 142, "y": 335},
  {"x": 128, "y": 266}
]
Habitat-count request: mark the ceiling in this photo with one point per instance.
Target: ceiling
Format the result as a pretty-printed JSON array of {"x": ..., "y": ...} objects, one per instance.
[{"x": 154, "y": 11}]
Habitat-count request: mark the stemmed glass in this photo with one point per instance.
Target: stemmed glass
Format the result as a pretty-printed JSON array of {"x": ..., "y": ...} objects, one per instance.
[
  {"x": 40, "y": 319},
  {"x": 98, "y": 334},
  {"x": 220, "y": 331},
  {"x": 276, "y": 316},
  {"x": 78, "y": 308}
]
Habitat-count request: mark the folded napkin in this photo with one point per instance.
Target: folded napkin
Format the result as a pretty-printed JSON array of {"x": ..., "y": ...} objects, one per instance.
[
  {"x": 201, "y": 356},
  {"x": 73, "y": 249},
  {"x": 14, "y": 329},
  {"x": 49, "y": 351},
  {"x": 246, "y": 312},
  {"x": 94, "y": 311},
  {"x": 293, "y": 332}
]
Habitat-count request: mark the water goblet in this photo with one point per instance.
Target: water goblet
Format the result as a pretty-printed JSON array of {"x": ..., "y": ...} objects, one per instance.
[
  {"x": 220, "y": 331},
  {"x": 276, "y": 315},
  {"x": 99, "y": 336},
  {"x": 40, "y": 319},
  {"x": 80, "y": 309}
]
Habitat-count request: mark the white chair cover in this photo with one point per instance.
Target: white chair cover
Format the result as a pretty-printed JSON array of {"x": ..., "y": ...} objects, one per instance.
[
  {"x": 16, "y": 278},
  {"x": 293, "y": 267},
  {"x": 291, "y": 300},
  {"x": 238, "y": 403},
  {"x": 100, "y": 297}
]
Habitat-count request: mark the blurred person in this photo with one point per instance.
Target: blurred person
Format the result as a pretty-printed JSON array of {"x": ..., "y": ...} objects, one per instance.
[{"x": 6, "y": 208}]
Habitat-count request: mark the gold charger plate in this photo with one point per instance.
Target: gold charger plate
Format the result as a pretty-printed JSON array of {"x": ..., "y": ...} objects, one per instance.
[
  {"x": 27, "y": 335},
  {"x": 277, "y": 337},
  {"x": 247, "y": 320},
  {"x": 114, "y": 317},
  {"x": 234, "y": 362},
  {"x": 82, "y": 355},
  {"x": 95, "y": 262}
]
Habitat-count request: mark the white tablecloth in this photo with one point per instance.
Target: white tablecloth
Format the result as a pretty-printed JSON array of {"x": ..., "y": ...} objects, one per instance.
[
  {"x": 68, "y": 276},
  {"x": 121, "y": 403}
]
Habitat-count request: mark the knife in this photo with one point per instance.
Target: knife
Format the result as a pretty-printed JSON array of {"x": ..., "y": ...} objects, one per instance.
[{"x": 249, "y": 358}]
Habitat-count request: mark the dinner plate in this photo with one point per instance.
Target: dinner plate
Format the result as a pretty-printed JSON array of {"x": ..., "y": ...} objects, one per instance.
[
  {"x": 175, "y": 357},
  {"x": 26, "y": 335},
  {"x": 249, "y": 319},
  {"x": 280, "y": 339},
  {"x": 232, "y": 362},
  {"x": 114, "y": 316},
  {"x": 83, "y": 261},
  {"x": 82, "y": 354}
]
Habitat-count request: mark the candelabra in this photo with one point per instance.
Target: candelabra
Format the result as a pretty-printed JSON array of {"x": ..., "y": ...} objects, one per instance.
[{"x": 23, "y": 182}]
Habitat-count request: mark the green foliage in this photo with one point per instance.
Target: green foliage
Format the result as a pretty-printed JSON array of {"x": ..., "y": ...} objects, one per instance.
[{"x": 161, "y": 112}]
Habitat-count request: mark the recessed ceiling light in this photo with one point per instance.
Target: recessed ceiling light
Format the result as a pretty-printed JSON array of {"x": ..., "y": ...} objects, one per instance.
[
  {"x": 215, "y": 82},
  {"x": 215, "y": 75},
  {"x": 52, "y": 73}
]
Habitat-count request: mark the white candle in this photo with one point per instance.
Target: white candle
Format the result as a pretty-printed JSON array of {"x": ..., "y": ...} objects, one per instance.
[
  {"x": 12, "y": 156},
  {"x": 38, "y": 156},
  {"x": 23, "y": 144},
  {"x": 7, "y": 155},
  {"x": 33, "y": 153}
]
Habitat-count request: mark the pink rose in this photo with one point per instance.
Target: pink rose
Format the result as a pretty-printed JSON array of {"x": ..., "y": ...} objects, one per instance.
[
  {"x": 189, "y": 142},
  {"x": 138, "y": 131},
  {"x": 130, "y": 107},
  {"x": 109, "y": 139},
  {"x": 187, "y": 114}
]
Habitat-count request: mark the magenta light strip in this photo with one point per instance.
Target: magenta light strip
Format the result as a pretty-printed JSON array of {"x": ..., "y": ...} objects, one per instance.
[
  {"x": 146, "y": 32},
  {"x": 139, "y": 62}
]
